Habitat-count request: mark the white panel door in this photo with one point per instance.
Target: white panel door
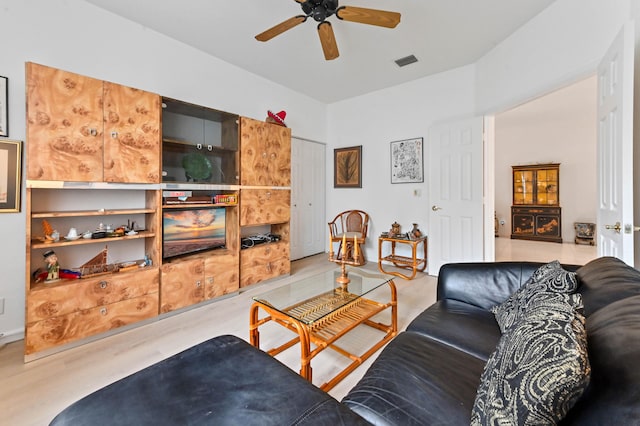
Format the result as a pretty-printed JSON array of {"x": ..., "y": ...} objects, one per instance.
[
  {"x": 308, "y": 223},
  {"x": 615, "y": 149},
  {"x": 456, "y": 175}
]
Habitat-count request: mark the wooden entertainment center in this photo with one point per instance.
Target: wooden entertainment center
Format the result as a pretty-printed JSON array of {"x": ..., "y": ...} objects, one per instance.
[{"x": 105, "y": 156}]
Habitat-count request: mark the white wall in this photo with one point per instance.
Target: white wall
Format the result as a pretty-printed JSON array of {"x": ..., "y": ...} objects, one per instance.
[
  {"x": 79, "y": 37},
  {"x": 560, "y": 46},
  {"x": 374, "y": 121},
  {"x": 557, "y": 128}
]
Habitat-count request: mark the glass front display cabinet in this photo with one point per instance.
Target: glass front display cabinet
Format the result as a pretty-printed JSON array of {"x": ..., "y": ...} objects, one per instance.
[{"x": 536, "y": 213}]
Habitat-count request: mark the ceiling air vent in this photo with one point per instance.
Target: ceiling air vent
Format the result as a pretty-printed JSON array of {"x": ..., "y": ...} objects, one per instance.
[{"x": 406, "y": 60}]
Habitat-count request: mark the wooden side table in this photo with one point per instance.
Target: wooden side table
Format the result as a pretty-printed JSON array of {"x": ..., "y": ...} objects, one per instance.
[{"x": 414, "y": 263}]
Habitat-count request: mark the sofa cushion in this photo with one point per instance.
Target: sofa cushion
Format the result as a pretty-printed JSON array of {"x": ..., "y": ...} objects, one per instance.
[
  {"x": 539, "y": 369},
  {"x": 483, "y": 284},
  {"x": 547, "y": 278},
  {"x": 417, "y": 381},
  {"x": 458, "y": 324},
  {"x": 606, "y": 280},
  {"x": 224, "y": 380},
  {"x": 613, "y": 396}
]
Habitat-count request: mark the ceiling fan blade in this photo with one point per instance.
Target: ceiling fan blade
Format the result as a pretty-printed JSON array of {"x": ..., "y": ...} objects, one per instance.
[
  {"x": 328, "y": 40},
  {"x": 280, "y": 28},
  {"x": 381, "y": 18}
]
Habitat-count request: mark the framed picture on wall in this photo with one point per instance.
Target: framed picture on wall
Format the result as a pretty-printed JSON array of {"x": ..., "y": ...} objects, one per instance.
[
  {"x": 10, "y": 176},
  {"x": 347, "y": 167},
  {"x": 4, "y": 106},
  {"x": 406, "y": 161}
]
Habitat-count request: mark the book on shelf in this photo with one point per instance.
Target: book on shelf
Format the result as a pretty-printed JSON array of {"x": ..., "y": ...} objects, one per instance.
[
  {"x": 197, "y": 199},
  {"x": 177, "y": 193},
  {"x": 225, "y": 199}
]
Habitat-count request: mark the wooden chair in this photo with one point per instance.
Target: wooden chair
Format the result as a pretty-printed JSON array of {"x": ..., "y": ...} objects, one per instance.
[{"x": 350, "y": 224}]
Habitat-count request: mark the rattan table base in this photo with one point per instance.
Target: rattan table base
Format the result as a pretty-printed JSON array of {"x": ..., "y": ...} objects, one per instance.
[{"x": 323, "y": 326}]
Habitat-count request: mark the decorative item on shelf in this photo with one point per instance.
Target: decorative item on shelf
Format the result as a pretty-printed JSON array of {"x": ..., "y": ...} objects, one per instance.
[
  {"x": 72, "y": 235},
  {"x": 276, "y": 118},
  {"x": 196, "y": 166},
  {"x": 415, "y": 233},
  {"x": 343, "y": 259},
  {"x": 50, "y": 235},
  {"x": 395, "y": 230},
  {"x": 53, "y": 267},
  {"x": 97, "y": 265}
]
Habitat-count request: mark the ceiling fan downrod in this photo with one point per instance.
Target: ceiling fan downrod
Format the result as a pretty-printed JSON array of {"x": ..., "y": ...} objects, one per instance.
[{"x": 320, "y": 10}]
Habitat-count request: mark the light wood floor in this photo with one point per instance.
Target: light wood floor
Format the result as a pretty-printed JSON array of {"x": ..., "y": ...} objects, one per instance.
[{"x": 33, "y": 393}]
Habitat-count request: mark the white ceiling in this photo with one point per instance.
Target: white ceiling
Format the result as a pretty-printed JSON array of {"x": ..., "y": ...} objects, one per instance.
[{"x": 442, "y": 34}]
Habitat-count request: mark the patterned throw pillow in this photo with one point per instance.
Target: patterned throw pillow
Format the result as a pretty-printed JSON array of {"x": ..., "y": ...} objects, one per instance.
[
  {"x": 539, "y": 369},
  {"x": 548, "y": 278}
]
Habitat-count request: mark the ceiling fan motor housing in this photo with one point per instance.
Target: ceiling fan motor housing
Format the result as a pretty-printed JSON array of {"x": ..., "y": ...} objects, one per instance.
[{"x": 320, "y": 10}]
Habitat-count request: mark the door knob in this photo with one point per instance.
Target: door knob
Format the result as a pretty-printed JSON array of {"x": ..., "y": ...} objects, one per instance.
[
  {"x": 436, "y": 208},
  {"x": 615, "y": 227}
]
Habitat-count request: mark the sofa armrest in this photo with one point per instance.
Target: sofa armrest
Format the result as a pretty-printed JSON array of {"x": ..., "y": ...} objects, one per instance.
[{"x": 483, "y": 284}]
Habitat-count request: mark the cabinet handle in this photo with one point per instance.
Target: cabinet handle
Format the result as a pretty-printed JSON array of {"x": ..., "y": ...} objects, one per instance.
[
  {"x": 199, "y": 146},
  {"x": 198, "y": 283},
  {"x": 114, "y": 135},
  {"x": 103, "y": 311},
  {"x": 268, "y": 195},
  {"x": 269, "y": 267},
  {"x": 93, "y": 132},
  {"x": 210, "y": 280},
  {"x": 103, "y": 284},
  {"x": 209, "y": 148},
  {"x": 264, "y": 155}
]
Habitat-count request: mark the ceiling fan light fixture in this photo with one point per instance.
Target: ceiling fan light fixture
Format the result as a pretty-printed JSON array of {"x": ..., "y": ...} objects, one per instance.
[{"x": 407, "y": 60}]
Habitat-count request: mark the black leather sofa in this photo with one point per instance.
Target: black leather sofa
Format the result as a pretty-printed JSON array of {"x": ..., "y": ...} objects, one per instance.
[{"x": 427, "y": 375}]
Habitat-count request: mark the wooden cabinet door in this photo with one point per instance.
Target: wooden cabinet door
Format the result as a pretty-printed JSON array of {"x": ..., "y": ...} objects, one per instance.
[
  {"x": 182, "y": 284},
  {"x": 264, "y": 206},
  {"x": 265, "y": 153},
  {"x": 221, "y": 275},
  {"x": 64, "y": 125},
  {"x": 263, "y": 262},
  {"x": 132, "y": 135}
]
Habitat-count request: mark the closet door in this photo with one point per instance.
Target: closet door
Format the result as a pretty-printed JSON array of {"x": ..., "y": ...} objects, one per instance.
[{"x": 308, "y": 222}]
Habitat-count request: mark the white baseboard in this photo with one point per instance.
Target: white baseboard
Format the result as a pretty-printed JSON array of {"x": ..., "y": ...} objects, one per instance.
[{"x": 11, "y": 336}]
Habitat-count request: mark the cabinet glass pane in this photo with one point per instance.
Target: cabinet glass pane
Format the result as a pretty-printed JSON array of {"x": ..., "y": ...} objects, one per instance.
[{"x": 199, "y": 144}]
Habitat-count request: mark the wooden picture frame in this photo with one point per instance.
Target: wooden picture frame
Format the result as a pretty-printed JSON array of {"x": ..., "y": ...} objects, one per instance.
[
  {"x": 10, "y": 175},
  {"x": 4, "y": 106},
  {"x": 347, "y": 167},
  {"x": 407, "y": 161}
]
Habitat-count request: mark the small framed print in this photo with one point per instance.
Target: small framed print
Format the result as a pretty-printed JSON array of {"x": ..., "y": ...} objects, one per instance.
[
  {"x": 406, "y": 161},
  {"x": 4, "y": 106},
  {"x": 347, "y": 167},
  {"x": 10, "y": 175}
]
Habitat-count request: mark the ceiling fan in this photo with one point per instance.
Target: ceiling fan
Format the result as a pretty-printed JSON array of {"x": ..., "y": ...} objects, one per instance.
[{"x": 320, "y": 10}]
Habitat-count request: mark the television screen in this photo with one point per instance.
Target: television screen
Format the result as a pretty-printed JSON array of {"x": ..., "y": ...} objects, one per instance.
[{"x": 192, "y": 230}]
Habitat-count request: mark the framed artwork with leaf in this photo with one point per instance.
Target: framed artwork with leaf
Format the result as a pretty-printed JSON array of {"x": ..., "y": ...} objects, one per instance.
[{"x": 347, "y": 167}]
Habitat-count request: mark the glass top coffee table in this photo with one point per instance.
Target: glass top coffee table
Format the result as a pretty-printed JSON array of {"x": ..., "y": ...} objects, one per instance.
[{"x": 320, "y": 311}]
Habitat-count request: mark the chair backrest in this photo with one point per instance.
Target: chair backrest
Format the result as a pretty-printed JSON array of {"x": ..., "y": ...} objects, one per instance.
[{"x": 351, "y": 221}]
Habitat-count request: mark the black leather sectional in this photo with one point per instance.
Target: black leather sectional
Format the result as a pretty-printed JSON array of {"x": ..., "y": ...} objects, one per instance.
[{"x": 427, "y": 375}]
